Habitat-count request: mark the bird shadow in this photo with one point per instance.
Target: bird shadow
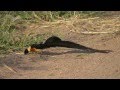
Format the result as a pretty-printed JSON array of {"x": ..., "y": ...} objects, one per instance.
[{"x": 72, "y": 51}]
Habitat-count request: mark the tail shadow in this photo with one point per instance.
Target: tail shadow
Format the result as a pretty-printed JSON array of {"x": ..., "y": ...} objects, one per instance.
[{"x": 72, "y": 51}]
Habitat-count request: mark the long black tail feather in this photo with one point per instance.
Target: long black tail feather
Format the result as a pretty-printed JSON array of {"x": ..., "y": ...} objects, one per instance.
[
  {"x": 69, "y": 44},
  {"x": 59, "y": 43}
]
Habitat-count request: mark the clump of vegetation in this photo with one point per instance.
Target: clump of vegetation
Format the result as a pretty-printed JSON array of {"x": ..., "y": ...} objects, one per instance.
[{"x": 11, "y": 39}]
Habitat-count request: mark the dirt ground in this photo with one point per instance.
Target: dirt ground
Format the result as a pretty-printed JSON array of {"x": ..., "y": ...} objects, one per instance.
[{"x": 64, "y": 63}]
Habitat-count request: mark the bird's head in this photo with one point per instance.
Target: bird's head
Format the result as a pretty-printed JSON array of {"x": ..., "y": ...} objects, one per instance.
[
  {"x": 30, "y": 49},
  {"x": 34, "y": 48}
]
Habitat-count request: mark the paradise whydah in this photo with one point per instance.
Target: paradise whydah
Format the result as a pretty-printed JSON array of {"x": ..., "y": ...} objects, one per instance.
[{"x": 55, "y": 41}]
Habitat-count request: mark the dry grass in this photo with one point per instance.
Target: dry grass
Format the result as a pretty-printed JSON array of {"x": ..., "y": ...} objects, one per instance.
[
  {"x": 95, "y": 24},
  {"x": 20, "y": 29},
  {"x": 9, "y": 68}
]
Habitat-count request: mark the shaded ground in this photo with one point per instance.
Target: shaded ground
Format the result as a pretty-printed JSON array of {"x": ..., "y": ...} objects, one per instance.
[{"x": 69, "y": 63}]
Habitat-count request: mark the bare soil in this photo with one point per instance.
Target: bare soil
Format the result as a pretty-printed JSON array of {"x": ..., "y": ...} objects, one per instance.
[{"x": 64, "y": 63}]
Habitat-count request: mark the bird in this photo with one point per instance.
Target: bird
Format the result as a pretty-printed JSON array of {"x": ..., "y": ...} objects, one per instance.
[{"x": 55, "y": 41}]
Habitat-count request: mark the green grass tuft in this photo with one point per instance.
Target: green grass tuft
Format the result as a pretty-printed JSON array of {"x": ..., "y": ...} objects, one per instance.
[{"x": 12, "y": 40}]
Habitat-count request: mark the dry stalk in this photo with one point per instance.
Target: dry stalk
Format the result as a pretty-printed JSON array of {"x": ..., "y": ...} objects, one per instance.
[{"x": 9, "y": 68}]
